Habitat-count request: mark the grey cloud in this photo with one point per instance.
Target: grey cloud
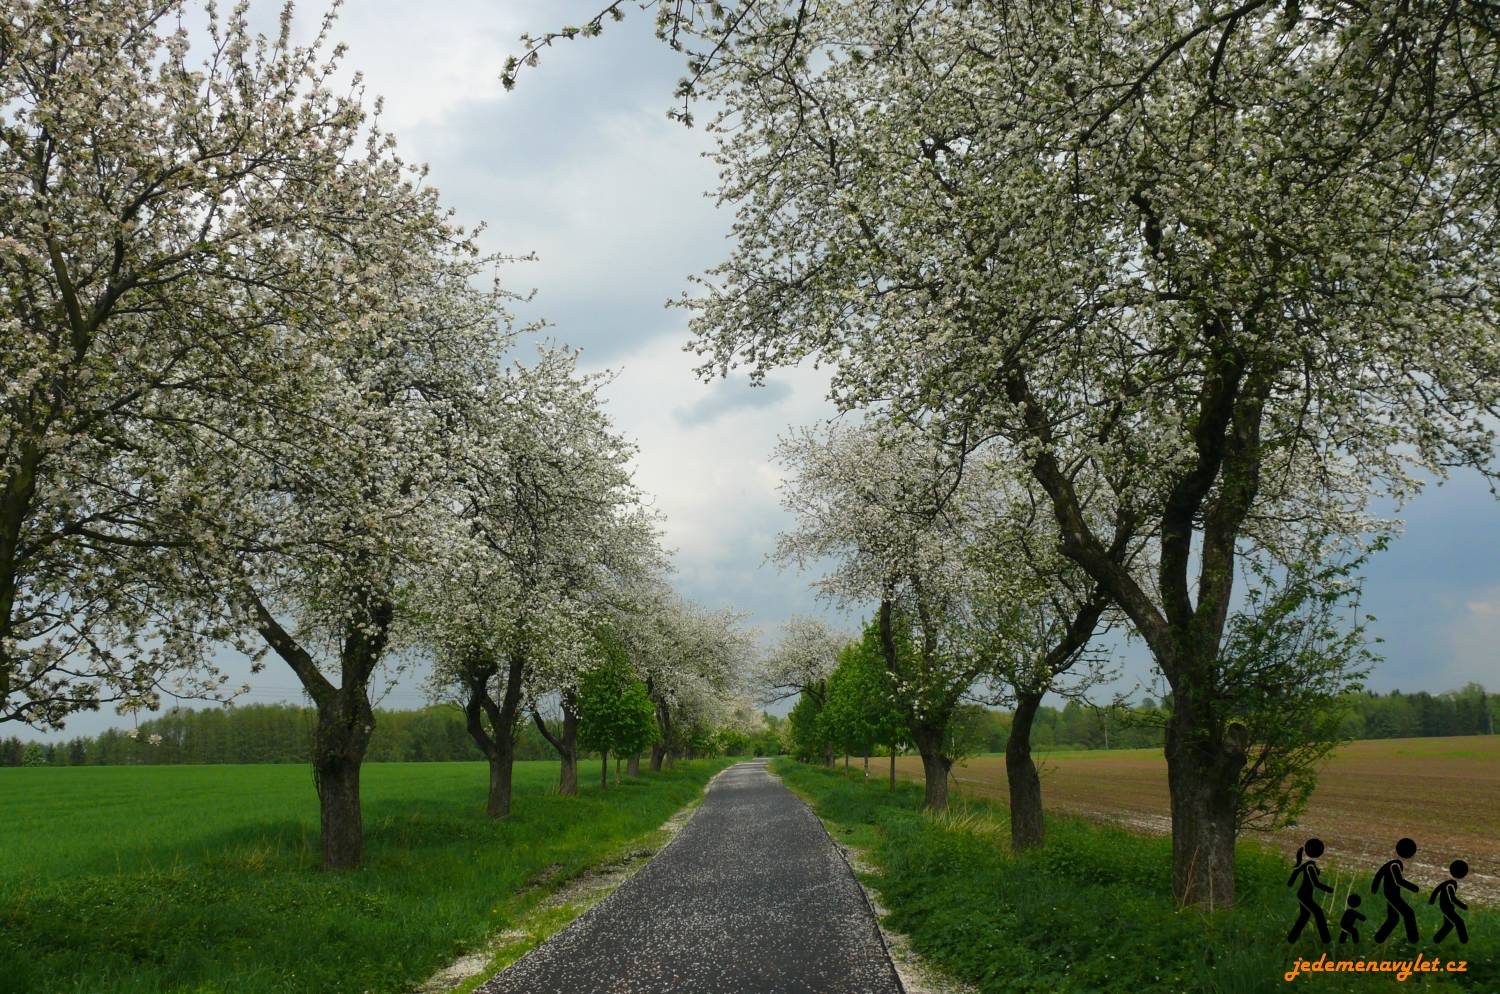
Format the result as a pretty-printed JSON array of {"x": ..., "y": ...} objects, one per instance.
[{"x": 729, "y": 395}]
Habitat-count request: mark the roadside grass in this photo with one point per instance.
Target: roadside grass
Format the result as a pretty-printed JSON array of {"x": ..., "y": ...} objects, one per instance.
[
  {"x": 1092, "y": 911},
  {"x": 204, "y": 879}
]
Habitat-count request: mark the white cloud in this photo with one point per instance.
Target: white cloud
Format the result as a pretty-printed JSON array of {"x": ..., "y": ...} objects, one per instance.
[
  {"x": 1473, "y": 649},
  {"x": 714, "y": 479}
]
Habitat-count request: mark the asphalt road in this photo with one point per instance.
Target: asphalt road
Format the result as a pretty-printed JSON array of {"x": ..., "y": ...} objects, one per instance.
[{"x": 750, "y": 898}]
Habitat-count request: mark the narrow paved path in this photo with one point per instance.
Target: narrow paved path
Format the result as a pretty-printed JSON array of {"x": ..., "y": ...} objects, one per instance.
[{"x": 750, "y": 898}]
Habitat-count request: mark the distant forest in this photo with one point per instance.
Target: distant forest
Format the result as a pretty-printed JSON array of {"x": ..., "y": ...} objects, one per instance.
[
  {"x": 281, "y": 733},
  {"x": 1468, "y": 711},
  {"x": 264, "y": 733}
]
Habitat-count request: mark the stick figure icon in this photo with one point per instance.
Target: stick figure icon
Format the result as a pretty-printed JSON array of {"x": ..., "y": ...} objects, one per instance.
[
  {"x": 1349, "y": 922},
  {"x": 1307, "y": 872},
  {"x": 1446, "y": 896},
  {"x": 1389, "y": 882}
]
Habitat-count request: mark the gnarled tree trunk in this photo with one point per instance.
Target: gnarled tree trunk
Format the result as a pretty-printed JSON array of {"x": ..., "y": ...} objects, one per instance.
[
  {"x": 664, "y": 727},
  {"x": 345, "y": 719},
  {"x": 566, "y": 744},
  {"x": 502, "y": 765},
  {"x": 341, "y": 737},
  {"x": 498, "y": 741},
  {"x": 1203, "y": 769},
  {"x": 1026, "y": 825},
  {"x": 935, "y": 767}
]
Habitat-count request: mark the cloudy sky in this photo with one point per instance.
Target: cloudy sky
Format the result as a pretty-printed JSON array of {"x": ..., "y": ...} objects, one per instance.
[{"x": 580, "y": 165}]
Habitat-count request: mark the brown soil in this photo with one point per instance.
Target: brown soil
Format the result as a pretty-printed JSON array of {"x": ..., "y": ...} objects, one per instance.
[{"x": 1443, "y": 792}]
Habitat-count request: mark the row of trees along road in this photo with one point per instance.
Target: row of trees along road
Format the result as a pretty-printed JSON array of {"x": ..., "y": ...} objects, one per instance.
[
  {"x": 257, "y": 387},
  {"x": 1212, "y": 275}
]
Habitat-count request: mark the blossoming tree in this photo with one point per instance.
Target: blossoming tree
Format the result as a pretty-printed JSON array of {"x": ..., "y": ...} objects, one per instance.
[
  {"x": 549, "y": 517},
  {"x": 1238, "y": 257},
  {"x": 147, "y": 226},
  {"x": 800, "y": 663}
]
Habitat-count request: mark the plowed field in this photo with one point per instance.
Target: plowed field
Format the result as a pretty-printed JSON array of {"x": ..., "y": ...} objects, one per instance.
[{"x": 1443, "y": 792}]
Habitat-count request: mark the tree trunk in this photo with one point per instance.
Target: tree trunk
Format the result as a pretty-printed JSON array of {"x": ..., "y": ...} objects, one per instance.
[
  {"x": 846, "y": 762},
  {"x": 893, "y": 767},
  {"x": 567, "y": 777},
  {"x": 502, "y": 763},
  {"x": 342, "y": 825},
  {"x": 345, "y": 720},
  {"x": 603, "y": 769},
  {"x": 633, "y": 768},
  {"x": 830, "y": 758},
  {"x": 498, "y": 742},
  {"x": 664, "y": 727},
  {"x": 1203, "y": 767},
  {"x": 867, "y": 765},
  {"x": 617, "y": 770},
  {"x": 935, "y": 768},
  {"x": 566, "y": 744},
  {"x": 341, "y": 737},
  {"x": 1026, "y": 825}
]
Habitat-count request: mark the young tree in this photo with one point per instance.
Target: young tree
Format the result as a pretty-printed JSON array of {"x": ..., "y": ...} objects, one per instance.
[
  {"x": 1295, "y": 654},
  {"x": 1236, "y": 259},
  {"x": 614, "y": 711},
  {"x": 809, "y": 732},
  {"x": 861, "y": 712}
]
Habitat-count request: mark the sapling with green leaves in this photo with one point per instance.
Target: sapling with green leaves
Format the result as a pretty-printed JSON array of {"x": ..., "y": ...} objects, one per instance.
[
  {"x": 861, "y": 712},
  {"x": 615, "y": 714}
]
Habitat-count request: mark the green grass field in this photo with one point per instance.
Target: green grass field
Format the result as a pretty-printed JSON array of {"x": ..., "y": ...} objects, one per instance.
[
  {"x": 204, "y": 878},
  {"x": 1092, "y": 911}
]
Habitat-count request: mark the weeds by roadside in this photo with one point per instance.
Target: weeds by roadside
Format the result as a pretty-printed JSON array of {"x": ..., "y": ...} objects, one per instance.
[{"x": 1092, "y": 910}]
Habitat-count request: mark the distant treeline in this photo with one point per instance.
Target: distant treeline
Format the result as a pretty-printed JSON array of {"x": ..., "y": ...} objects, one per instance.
[
  {"x": 265, "y": 733},
  {"x": 1468, "y": 711},
  {"x": 282, "y": 733}
]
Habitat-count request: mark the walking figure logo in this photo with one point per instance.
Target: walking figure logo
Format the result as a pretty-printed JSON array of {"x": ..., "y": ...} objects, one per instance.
[
  {"x": 1308, "y": 873},
  {"x": 1349, "y": 923},
  {"x": 1446, "y": 896},
  {"x": 1389, "y": 882}
]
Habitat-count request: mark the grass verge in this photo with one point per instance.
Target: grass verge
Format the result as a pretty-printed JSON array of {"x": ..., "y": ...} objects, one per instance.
[
  {"x": 198, "y": 879},
  {"x": 1092, "y": 911}
]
